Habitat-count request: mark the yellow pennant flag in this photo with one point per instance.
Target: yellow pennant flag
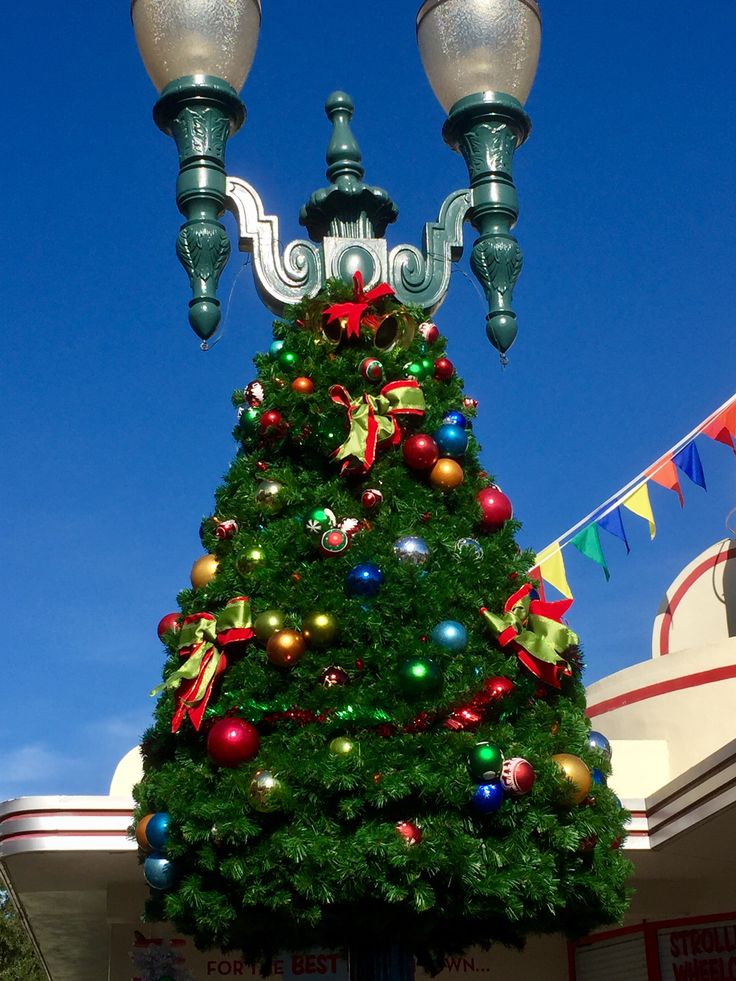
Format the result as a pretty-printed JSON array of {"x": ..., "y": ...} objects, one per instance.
[
  {"x": 552, "y": 569},
  {"x": 638, "y": 503}
]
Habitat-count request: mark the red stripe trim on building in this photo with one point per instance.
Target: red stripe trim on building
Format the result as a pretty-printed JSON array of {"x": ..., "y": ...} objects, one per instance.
[
  {"x": 662, "y": 688},
  {"x": 23, "y": 835},
  {"x": 14, "y": 815},
  {"x": 710, "y": 563}
]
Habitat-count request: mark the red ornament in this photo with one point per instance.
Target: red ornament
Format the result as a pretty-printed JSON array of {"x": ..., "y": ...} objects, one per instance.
[
  {"x": 409, "y": 832},
  {"x": 359, "y": 664},
  {"x": 517, "y": 776},
  {"x": 496, "y": 508},
  {"x": 371, "y": 499},
  {"x": 232, "y": 742},
  {"x": 334, "y": 677},
  {"x": 470, "y": 403},
  {"x": 273, "y": 423},
  {"x": 498, "y": 687},
  {"x": 254, "y": 394},
  {"x": 588, "y": 844},
  {"x": 172, "y": 621},
  {"x": 444, "y": 369},
  {"x": 426, "y": 517},
  {"x": 262, "y": 466},
  {"x": 226, "y": 529},
  {"x": 429, "y": 332},
  {"x": 421, "y": 452}
]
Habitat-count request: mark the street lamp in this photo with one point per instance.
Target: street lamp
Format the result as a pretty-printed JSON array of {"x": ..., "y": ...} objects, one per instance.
[{"x": 480, "y": 57}]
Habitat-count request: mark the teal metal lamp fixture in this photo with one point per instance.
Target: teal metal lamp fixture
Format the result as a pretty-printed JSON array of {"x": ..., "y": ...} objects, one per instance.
[{"x": 480, "y": 57}]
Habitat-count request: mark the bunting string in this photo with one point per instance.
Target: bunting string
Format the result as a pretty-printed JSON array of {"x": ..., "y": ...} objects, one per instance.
[{"x": 682, "y": 458}]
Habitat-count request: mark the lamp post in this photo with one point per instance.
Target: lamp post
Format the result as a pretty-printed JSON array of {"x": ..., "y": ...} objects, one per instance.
[{"x": 480, "y": 57}]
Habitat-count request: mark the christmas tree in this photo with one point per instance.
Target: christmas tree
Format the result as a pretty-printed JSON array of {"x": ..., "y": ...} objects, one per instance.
[{"x": 371, "y": 731}]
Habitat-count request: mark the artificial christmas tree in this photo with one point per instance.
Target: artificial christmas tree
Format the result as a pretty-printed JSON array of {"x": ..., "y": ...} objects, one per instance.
[{"x": 371, "y": 732}]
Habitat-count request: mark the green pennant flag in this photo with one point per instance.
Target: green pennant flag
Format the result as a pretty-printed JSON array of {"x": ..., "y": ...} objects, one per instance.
[{"x": 588, "y": 542}]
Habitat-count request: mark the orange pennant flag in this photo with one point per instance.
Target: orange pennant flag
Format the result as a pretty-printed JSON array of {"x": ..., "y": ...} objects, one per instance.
[{"x": 665, "y": 474}]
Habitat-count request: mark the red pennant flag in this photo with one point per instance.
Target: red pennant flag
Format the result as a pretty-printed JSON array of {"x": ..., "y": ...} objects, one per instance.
[{"x": 723, "y": 427}]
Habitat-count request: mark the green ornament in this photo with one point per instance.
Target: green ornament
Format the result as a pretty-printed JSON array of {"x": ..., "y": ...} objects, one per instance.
[
  {"x": 249, "y": 419},
  {"x": 320, "y": 629},
  {"x": 329, "y": 432},
  {"x": 251, "y": 560},
  {"x": 287, "y": 359},
  {"x": 318, "y": 521},
  {"x": 420, "y": 677},
  {"x": 265, "y": 792},
  {"x": 268, "y": 623},
  {"x": 485, "y": 762},
  {"x": 342, "y": 746},
  {"x": 414, "y": 369},
  {"x": 427, "y": 367},
  {"x": 269, "y": 496}
]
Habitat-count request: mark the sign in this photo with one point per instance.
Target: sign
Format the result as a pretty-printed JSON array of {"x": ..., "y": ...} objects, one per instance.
[{"x": 698, "y": 952}]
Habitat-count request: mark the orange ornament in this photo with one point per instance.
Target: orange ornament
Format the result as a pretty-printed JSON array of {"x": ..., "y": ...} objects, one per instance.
[
  {"x": 204, "y": 571},
  {"x": 446, "y": 475},
  {"x": 302, "y": 385},
  {"x": 140, "y": 833},
  {"x": 285, "y": 648}
]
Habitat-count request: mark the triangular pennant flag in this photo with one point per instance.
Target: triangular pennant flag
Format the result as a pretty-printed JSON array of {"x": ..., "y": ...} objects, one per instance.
[
  {"x": 638, "y": 503},
  {"x": 720, "y": 429},
  {"x": 613, "y": 523},
  {"x": 588, "y": 541},
  {"x": 536, "y": 574},
  {"x": 688, "y": 460},
  {"x": 665, "y": 475},
  {"x": 552, "y": 569}
]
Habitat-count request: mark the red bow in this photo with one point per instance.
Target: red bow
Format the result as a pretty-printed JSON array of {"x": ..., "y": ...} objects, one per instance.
[{"x": 355, "y": 309}]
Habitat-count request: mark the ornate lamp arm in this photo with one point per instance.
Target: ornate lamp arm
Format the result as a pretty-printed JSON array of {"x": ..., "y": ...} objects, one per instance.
[
  {"x": 279, "y": 281},
  {"x": 487, "y": 128},
  {"x": 423, "y": 278}
]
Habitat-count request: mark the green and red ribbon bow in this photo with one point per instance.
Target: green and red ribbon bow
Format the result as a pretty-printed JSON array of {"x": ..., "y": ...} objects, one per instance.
[
  {"x": 373, "y": 419},
  {"x": 203, "y": 639},
  {"x": 354, "y": 310},
  {"x": 533, "y": 629}
]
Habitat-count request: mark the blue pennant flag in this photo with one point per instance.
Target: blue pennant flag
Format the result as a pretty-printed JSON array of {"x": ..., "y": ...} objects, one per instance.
[
  {"x": 613, "y": 523},
  {"x": 688, "y": 460}
]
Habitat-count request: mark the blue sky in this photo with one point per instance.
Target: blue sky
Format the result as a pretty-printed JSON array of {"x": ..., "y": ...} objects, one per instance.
[{"x": 116, "y": 428}]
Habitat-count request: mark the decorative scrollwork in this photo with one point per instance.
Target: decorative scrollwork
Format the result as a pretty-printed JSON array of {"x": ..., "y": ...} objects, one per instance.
[
  {"x": 280, "y": 280},
  {"x": 423, "y": 277}
]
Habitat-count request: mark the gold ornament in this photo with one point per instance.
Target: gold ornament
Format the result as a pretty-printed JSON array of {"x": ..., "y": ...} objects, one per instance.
[
  {"x": 334, "y": 330},
  {"x": 251, "y": 560},
  {"x": 577, "y": 773},
  {"x": 264, "y": 791},
  {"x": 446, "y": 474},
  {"x": 204, "y": 571},
  {"x": 342, "y": 746},
  {"x": 268, "y": 496},
  {"x": 267, "y": 623},
  {"x": 319, "y": 629},
  {"x": 285, "y": 648}
]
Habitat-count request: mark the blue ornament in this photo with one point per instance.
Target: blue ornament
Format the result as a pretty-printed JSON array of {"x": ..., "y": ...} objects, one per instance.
[
  {"x": 160, "y": 873},
  {"x": 275, "y": 348},
  {"x": 157, "y": 831},
  {"x": 411, "y": 550},
  {"x": 596, "y": 740},
  {"x": 456, "y": 418},
  {"x": 364, "y": 580},
  {"x": 488, "y": 797},
  {"x": 470, "y": 547},
  {"x": 450, "y": 636},
  {"x": 598, "y": 776},
  {"x": 451, "y": 440}
]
